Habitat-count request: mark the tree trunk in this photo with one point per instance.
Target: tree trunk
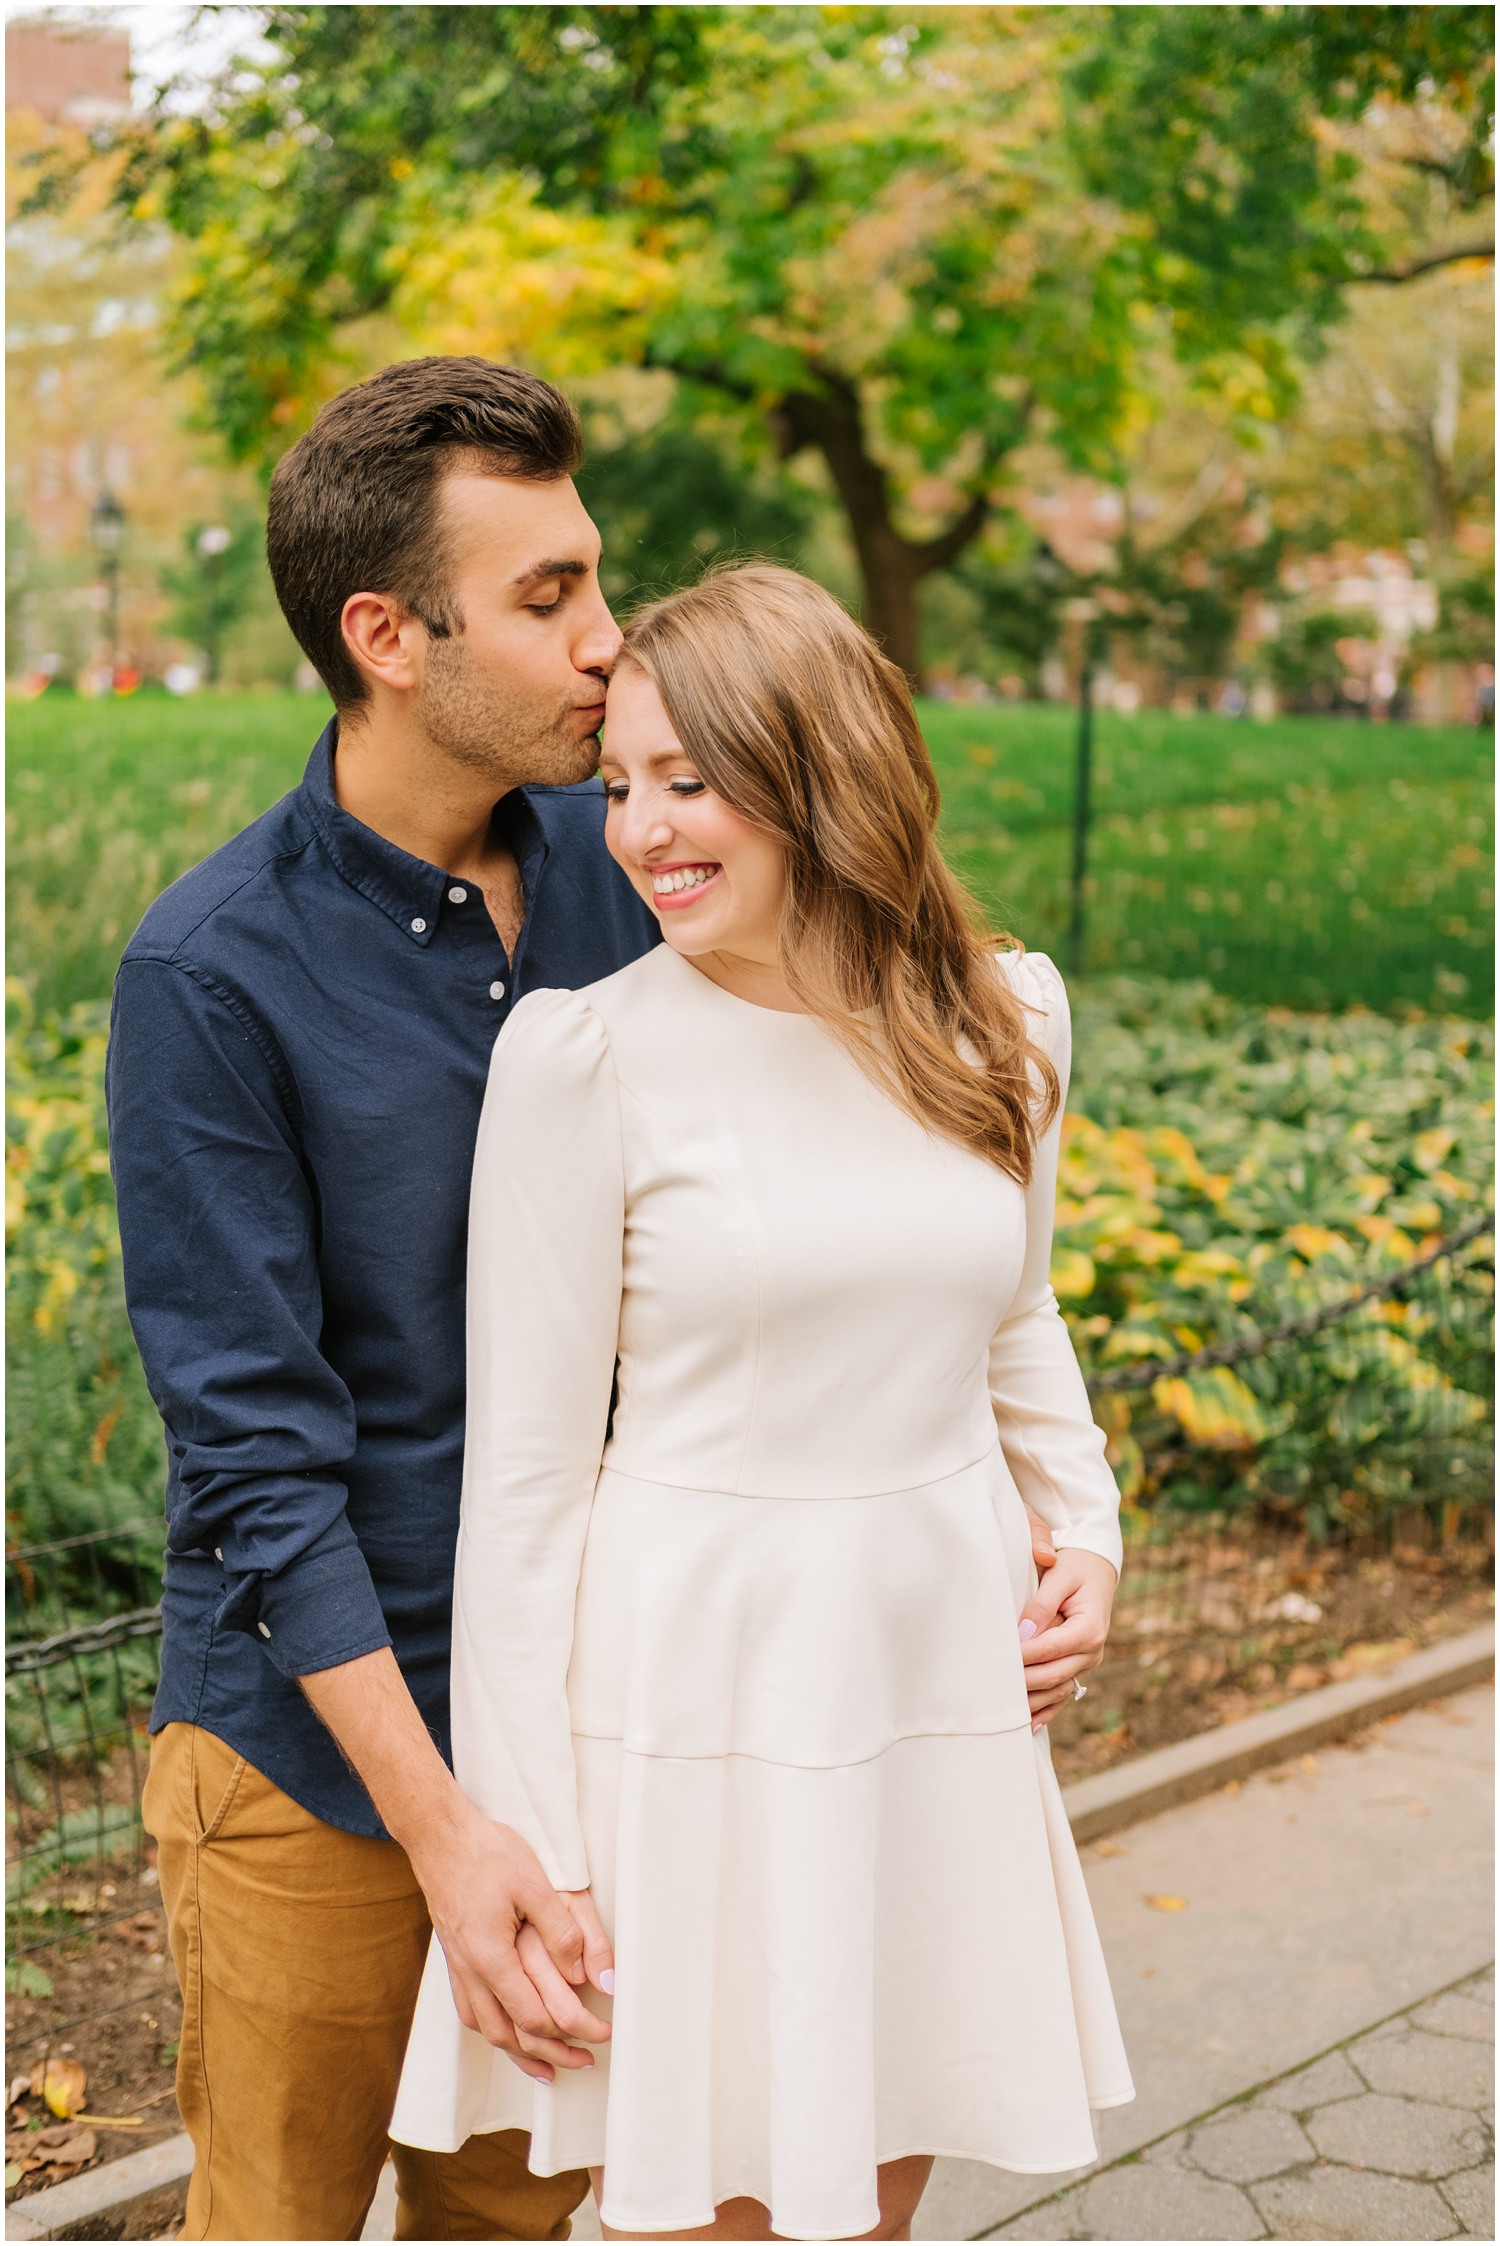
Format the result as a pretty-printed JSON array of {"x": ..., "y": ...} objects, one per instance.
[{"x": 891, "y": 567}]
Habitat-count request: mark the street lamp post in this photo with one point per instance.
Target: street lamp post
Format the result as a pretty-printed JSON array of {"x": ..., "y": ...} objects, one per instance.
[
  {"x": 107, "y": 531},
  {"x": 1086, "y": 613}
]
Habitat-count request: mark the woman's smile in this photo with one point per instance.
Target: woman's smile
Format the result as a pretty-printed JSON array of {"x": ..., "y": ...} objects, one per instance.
[{"x": 676, "y": 886}]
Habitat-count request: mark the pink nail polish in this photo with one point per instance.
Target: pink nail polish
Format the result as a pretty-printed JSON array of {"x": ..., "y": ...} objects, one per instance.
[
  {"x": 1028, "y": 1629},
  {"x": 607, "y": 1980}
]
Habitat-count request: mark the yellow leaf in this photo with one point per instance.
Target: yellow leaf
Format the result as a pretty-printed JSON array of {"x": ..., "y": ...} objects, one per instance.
[
  {"x": 1430, "y": 1148},
  {"x": 1313, "y": 1240},
  {"x": 1214, "y": 1408},
  {"x": 1073, "y": 1273},
  {"x": 60, "y": 2084},
  {"x": 1167, "y": 1902}
]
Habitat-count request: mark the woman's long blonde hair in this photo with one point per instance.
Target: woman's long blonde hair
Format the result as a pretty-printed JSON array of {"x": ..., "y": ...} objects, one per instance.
[{"x": 790, "y": 712}]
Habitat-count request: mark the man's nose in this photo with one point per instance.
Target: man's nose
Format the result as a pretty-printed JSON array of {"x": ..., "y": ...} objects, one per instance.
[{"x": 599, "y": 642}]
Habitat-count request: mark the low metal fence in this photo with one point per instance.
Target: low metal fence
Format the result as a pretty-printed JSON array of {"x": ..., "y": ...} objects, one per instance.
[{"x": 1242, "y": 1585}]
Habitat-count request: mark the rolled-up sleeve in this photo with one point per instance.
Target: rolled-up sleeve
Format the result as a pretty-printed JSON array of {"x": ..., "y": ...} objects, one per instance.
[
  {"x": 1047, "y": 1431},
  {"x": 218, "y": 1224}
]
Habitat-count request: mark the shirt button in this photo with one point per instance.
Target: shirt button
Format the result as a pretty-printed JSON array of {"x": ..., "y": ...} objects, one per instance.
[
  {"x": 497, "y": 990},
  {"x": 457, "y": 896},
  {"x": 419, "y": 927},
  {"x": 264, "y": 1628}
]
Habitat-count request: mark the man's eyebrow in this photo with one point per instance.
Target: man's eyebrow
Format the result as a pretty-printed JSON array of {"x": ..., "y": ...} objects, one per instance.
[{"x": 540, "y": 571}]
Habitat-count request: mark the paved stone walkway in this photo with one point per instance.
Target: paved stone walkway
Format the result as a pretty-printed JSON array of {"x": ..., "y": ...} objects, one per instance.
[{"x": 1389, "y": 2136}]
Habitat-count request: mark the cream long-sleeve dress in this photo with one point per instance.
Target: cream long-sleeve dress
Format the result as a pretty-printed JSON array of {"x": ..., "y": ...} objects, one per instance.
[{"x": 749, "y": 1667}]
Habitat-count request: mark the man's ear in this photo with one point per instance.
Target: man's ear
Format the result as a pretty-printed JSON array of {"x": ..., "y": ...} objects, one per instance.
[{"x": 385, "y": 640}]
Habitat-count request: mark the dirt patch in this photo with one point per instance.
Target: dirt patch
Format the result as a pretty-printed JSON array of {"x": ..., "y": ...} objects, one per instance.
[
  {"x": 1206, "y": 1634},
  {"x": 114, "y": 2010}
]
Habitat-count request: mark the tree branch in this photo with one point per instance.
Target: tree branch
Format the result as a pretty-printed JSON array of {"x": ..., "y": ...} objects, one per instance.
[
  {"x": 939, "y": 551},
  {"x": 1394, "y": 275}
]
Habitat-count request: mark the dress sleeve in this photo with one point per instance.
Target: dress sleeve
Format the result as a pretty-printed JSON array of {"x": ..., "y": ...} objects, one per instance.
[
  {"x": 1047, "y": 1430},
  {"x": 545, "y": 1258}
]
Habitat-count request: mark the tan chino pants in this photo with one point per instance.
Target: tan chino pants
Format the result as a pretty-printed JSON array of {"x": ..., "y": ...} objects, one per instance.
[{"x": 299, "y": 1949}]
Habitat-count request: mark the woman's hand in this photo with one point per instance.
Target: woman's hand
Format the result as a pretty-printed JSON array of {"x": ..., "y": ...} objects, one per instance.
[
  {"x": 564, "y": 2003},
  {"x": 1064, "y": 1626},
  {"x": 1042, "y": 1548}
]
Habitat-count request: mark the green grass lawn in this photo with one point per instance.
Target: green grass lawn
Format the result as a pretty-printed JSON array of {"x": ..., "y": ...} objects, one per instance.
[
  {"x": 1308, "y": 862},
  {"x": 1305, "y": 862}
]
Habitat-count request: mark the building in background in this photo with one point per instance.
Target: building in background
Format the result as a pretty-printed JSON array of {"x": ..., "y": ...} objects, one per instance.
[
  {"x": 66, "y": 74},
  {"x": 96, "y": 421}
]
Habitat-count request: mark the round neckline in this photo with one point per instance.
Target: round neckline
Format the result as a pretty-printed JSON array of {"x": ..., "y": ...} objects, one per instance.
[{"x": 750, "y": 1005}]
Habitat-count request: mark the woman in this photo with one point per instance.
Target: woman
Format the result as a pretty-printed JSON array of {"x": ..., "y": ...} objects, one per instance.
[{"x": 738, "y": 1609}]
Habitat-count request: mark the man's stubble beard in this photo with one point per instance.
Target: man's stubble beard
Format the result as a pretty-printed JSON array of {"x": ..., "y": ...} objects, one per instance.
[{"x": 468, "y": 715}]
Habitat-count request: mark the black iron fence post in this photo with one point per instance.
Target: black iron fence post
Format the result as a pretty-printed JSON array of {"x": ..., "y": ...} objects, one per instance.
[{"x": 1081, "y": 811}]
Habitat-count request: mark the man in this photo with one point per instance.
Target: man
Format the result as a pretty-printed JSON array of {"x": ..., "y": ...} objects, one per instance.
[{"x": 301, "y": 1035}]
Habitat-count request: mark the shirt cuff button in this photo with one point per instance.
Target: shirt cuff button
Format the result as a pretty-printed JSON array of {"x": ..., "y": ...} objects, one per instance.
[{"x": 497, "y": 990}]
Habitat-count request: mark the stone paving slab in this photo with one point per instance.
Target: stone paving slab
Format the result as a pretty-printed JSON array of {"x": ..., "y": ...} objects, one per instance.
[{"x": 1320, "y": 2154}]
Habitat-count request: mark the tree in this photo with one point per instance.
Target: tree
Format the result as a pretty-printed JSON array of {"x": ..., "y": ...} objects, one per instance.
[{"x": 910, "y": 248}]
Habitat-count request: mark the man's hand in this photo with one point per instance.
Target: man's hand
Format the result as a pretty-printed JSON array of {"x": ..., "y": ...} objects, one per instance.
[
  {"x": 506, "y": 1932},
  {"x": 1064, "y": 1627},
  {"x": 518, "y": 1952}
]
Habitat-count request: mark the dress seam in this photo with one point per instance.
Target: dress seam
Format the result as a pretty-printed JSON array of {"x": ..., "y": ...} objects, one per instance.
[
  {"x": 710, "y": 1170},
  {"x": 777, "y": 1762},
  {"x": 763, "y": 1497}
]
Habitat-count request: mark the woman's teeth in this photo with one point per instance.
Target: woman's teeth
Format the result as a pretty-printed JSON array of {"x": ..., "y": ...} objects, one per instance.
[{"x": 689, "y": 877}]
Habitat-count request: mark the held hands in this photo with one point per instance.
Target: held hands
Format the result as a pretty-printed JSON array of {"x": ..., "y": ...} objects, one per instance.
[
  {"x": 1064, "y": 1626},
  {"x": 519, "y": 1953}
]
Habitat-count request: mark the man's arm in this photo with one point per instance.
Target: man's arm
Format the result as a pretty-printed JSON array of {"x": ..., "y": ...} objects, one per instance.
[
  {"x": 218, "y": 1232},
  {"x": 482, "y": 1882}
]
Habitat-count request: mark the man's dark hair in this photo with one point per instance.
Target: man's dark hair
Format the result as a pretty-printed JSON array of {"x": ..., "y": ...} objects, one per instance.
[{"x": 354, "y": 504}]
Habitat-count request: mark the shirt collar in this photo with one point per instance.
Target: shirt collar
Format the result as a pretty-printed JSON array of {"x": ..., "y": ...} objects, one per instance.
[{"x": 407, "y": 889}]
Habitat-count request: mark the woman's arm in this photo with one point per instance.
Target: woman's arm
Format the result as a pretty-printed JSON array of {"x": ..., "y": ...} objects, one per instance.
[
  {"x": 545, "y": 1250},
  {"x": 1046, "y": 1428}
]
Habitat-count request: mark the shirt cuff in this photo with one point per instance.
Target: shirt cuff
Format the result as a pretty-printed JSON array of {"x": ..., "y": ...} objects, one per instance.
[{"x": 316, "y": 1613}]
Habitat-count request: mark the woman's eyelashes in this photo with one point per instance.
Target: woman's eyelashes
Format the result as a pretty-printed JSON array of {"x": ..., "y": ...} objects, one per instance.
[{"x": 617, "y": 790}]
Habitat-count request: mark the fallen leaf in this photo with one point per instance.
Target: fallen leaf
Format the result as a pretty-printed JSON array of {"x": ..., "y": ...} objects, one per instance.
[
  {"x": 76, "y": 2149},
  {"x": 20, "y": 2088},
  {"x": 143, "y": 1932},
  {"x": 1365, "y": 1654},
  {"x": 60, "y": 2084},
  {"x": 1167, "y": 1902},
  {"x": 13, "y": 2174}
]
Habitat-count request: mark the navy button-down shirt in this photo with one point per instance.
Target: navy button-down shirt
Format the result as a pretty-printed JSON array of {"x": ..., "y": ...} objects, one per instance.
[{"x": 301, "y": 1035}]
